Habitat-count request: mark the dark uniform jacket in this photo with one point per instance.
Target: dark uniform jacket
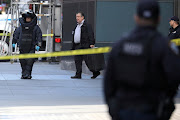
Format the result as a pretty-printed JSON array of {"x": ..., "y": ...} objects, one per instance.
[
  {"x": 87, "y": 36},
  {"x": 36, "y": 34},
  {"x": 174, "y": 33},
  {"x": 120, "y": 83}
]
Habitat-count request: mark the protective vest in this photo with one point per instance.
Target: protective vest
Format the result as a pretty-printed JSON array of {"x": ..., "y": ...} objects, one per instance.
[
  {"x": 27, "y": 38},
  {"x": 134, "y": 68}
]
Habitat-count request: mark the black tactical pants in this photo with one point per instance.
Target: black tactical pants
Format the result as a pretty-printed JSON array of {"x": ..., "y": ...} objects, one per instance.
[{"x": 27, "y": 64}]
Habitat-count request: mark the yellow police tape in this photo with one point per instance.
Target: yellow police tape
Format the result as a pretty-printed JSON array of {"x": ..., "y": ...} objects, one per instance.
[
  {"x": 176, "y": 41},
  {"x": 68, "y": 53},
  {"x": 44, "y": 35},
  {"x": 1, "y": 34},
  {"x": 62, "y": 53}
]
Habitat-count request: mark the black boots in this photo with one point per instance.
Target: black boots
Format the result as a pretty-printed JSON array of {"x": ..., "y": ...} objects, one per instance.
[{"x": 26, "y": 76}]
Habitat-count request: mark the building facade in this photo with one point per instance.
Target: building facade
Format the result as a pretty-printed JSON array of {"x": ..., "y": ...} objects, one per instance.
[{"x": 110, "y": 18}]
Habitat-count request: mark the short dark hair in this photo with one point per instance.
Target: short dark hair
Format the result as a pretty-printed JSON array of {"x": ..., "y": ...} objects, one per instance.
[{"x": 82, "y": 14}]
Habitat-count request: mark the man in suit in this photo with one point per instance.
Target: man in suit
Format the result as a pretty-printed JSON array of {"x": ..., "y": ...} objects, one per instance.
[{"x": 83, "y": 38}]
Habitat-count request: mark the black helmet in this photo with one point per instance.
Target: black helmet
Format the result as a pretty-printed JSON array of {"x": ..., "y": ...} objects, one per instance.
[{"x": 28, "y": 13}]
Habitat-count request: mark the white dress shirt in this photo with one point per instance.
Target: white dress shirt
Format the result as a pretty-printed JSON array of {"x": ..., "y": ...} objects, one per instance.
[{"x": 77, "y": 34}]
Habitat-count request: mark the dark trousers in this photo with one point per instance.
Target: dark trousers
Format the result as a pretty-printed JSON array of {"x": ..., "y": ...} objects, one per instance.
[
  {"x": 78, "y": 62},
  {"x": 131, "y": 114},
  {"x": 124, "y": 111},
  {"x": 27, "y": 64}
]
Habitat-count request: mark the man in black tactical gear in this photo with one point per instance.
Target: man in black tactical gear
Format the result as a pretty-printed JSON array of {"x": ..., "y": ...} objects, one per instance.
[
  {"x": 28, "y": 37},
  {"x": 142, "y": 70}
]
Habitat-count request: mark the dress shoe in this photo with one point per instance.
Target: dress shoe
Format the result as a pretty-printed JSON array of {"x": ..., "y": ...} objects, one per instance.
[
  {"x": 95, "y": 74},
  {"x": 76, "y": 77}
]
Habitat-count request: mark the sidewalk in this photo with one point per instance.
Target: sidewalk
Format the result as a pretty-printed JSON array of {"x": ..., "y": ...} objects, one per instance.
[{"x": 51, "y": 95}]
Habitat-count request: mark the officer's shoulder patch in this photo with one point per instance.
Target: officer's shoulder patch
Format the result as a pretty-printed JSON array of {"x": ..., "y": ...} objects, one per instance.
[
  {"x": 132, "y": 48},
  {"x": 174, "y": 48}
]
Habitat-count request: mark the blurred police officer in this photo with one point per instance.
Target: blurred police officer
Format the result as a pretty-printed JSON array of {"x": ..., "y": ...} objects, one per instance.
[
  {"x": 83, "y": 38},
  {"x": 142, "y": 71},
  {"x": 28, "y": 37},
  {"x": 174, "y": 31}
]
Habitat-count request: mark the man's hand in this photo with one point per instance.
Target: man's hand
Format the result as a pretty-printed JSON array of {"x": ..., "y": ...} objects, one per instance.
[{"x": 91, "y": 46}]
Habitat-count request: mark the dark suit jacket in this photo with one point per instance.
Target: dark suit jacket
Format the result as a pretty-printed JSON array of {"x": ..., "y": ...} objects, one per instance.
[{"x": 87, "y": 36}]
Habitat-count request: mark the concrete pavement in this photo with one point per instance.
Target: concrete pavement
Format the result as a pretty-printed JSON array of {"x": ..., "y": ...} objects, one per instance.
[{"x": 51, "y": 95}]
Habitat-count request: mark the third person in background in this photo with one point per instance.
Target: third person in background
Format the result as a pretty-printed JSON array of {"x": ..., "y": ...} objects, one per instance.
[{"x": 174, "y": 31}]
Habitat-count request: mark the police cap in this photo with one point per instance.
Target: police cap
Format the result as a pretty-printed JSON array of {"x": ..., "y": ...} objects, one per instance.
[
  {"x": 148, "y": 9},
  {"x": 175, "y": 18}
]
